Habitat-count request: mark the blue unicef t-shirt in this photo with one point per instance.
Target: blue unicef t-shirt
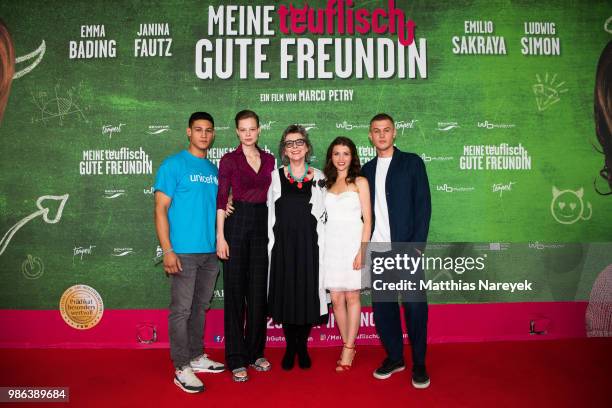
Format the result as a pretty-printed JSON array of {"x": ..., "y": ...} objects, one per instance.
[{"x": 191, "y": 183}]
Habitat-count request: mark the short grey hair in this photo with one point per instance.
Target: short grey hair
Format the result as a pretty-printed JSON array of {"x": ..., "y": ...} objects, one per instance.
[{"x": 294, "y": 129}]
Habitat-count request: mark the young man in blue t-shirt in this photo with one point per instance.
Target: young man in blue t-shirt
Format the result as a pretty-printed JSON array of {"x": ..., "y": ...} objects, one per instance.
[{"x": 185, "y": 211}]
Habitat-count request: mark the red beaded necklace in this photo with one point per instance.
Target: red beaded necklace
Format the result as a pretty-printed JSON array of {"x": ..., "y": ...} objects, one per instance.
[{"x": 304, "y": 179}]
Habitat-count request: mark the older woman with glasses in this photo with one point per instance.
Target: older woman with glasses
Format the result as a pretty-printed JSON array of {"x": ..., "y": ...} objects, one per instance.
[{"x": 296, "y": 296}]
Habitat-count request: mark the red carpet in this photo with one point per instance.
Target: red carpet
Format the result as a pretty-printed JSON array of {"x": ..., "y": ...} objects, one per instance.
[{"x": 569, "y": 373}]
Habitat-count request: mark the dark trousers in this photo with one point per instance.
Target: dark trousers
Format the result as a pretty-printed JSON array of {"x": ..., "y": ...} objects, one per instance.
[
  {"x": 389, "y": 328},
  {"x": 245, "y": 280}
]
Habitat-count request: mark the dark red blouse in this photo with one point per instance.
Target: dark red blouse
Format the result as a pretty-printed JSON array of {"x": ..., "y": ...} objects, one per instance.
[{"x": 237, "y": 175}]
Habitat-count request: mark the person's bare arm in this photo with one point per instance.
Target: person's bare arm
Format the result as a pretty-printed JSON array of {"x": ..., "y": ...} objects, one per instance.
[
  {"x": 366, "y": 213},
  {"x": 222, "y": 246},
  {"x": 172, "y": 263}
]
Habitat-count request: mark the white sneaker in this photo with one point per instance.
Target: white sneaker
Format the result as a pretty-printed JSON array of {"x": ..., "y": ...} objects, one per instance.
[
  {"x": 187, "y": 381},
  {"x": 203, "y": 364}
]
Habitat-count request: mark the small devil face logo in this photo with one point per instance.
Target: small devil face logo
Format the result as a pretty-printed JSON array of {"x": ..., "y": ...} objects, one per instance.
[{"x": 567, "y": 206}]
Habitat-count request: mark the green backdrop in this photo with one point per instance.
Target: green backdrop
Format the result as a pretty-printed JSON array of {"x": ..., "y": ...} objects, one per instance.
[{"x": 105, "y": 237}]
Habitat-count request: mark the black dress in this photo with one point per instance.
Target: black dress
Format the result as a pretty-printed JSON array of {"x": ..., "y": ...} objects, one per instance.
[{"x": 294, "y": 265}]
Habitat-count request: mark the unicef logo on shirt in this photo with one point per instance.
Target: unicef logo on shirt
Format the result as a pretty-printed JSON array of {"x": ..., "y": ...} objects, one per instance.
[{"x": 198, "y": 178}]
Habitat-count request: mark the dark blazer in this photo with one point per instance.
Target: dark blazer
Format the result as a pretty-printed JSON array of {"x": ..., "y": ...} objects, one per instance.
[{"x": 408, "y": 196}]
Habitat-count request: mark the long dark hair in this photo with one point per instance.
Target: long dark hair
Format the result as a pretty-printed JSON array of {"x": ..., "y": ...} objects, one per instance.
[
  {"x": 330, "y": 171},
  {"x": 603, "y": 112}
]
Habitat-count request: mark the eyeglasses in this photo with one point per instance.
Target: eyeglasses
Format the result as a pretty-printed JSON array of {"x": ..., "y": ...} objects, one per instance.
[{"x": 295, "y": 143}]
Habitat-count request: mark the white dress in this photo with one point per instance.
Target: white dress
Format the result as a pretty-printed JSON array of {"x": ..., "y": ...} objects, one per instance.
[{"x": 343, "y": 231}]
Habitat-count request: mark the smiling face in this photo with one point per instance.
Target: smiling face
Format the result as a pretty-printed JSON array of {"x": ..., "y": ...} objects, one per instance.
[
  {"x": 382, "y": 134},
  {"x": 341, "y": 157},
  {"x": 248, "y": 131},
  {"x": 201, "y": 135},
  {"x": 293, "y": 150},
  {"x": 567, "y": 205}
]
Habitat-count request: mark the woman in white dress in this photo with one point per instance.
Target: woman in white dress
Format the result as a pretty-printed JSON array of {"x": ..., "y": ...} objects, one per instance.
[{"x": 349, "y": 224}]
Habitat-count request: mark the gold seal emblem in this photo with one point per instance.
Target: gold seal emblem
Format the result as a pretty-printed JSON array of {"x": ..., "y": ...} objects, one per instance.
[{"x": 81, "y": 307}]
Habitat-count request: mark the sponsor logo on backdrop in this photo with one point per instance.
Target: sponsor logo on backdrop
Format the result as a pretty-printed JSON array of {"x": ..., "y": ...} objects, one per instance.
[
  {"x": 218, "y": 339},
  {"x": 492, "y": 246},
  {"x": 119, "y": 252},
  {"x": 539, "y": 39},
  {"x": 484, "y": 42},
  {"x": 37, "y": 55},
  {"x": 32, "y": 267},
  {"x": 158, "y": 129},
  {"x": 218, "y": 294},
  {"x": 95, "y": 46},
  {"x": 112, "y": 194},
  {"x": 122, "y": 161},
  {"x": 58, "y": 106},
  {"x": 148, "y": 191},
  {"x": 495, "y": 157},
  {"x": 350, "y": 126},
  {"x": 159, "y": 252},
  {"x": 501, "y": 187},
  {"x": 453, "y": 189},
  {"x": 43, "y": 211},
  {"x": 81, "y": 251},
  {"x": 567, "y": 206},
  {"x": 399, "y": 125},
  {"x": 267, "y": 125},
  {"x": 447, "y": 126},
  {"x": 111, "y": 129},
  {"x": 308, "y": 126},
  {"x": 405, "y": 124},
  {"x": 428, "y": 159},
  {"x": 153, "y": 41},
  {"x": 540, "y": 246},
  {"x": 81, "y": 307},
  {"x": 490, "y": 125},
  {"x": 547, "y": 92}
]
